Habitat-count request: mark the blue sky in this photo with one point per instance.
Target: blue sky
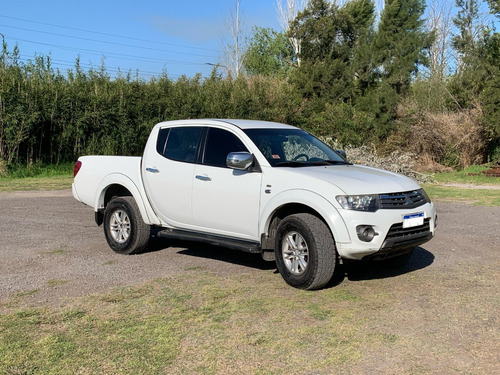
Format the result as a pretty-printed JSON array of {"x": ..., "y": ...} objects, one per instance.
[{"x": 178, "y": 36}]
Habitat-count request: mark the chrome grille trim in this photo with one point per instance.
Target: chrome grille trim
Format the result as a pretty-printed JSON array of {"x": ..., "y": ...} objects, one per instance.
[{"x": 407, "y": 199}]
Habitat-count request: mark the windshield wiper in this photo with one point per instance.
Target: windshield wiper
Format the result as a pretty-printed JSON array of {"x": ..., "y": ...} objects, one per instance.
[
  {"x": 330, "y": 162},
  {"x": 293, "y": 164}
]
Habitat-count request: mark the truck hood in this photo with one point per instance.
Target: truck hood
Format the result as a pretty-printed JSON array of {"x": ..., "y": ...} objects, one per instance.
[{"x": 357, "y": 179}]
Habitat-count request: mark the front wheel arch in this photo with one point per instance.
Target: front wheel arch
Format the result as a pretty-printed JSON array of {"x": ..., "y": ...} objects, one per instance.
[{"x": 282, "y": 212}]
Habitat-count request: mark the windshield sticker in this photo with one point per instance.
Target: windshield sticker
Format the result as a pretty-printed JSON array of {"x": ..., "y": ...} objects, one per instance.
[{"x": 275, "y": 156}]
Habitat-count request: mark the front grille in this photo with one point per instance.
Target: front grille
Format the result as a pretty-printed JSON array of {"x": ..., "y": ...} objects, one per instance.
[
  {"x": 408, "y": 199},
  {"x": 399, "y": 237}
]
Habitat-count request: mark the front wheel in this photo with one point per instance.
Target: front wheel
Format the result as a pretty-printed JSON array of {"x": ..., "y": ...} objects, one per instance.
[
  {"x": 125, "y": 231},
  {"x": 305, "y": 251}
]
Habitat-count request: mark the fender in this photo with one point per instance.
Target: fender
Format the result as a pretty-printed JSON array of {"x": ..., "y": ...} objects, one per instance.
[
  {"x": 310, "y": 199},
  {"x": 147, "y": 212}
]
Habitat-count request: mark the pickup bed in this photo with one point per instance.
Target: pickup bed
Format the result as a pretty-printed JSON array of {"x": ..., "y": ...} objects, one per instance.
[{"x": 259, "y": 187}]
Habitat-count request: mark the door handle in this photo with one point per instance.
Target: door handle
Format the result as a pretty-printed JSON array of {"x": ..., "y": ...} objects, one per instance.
[
  {"x": 152, "y": 170},
  {"x": 203, "y": 178}
]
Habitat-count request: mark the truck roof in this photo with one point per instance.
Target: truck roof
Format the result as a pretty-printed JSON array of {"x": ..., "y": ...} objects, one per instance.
[{"x": 242, "y": 124}]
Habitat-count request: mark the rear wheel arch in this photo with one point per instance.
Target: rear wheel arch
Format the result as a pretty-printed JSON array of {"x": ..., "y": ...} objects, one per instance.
[
  {"x": 119, "y": 185},
  {"x": 110, "y": 192},
  {"x": 115, "y": 190}
]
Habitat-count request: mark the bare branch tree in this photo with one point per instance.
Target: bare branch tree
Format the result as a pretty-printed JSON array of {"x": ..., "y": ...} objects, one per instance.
[
  {"x": 439, "y": 21},
  {"x": 234, "y": 47},
  {"x": 286, "y": 14}
]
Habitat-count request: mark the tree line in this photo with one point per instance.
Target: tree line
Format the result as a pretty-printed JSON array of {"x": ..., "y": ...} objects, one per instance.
[{"x": 337, "y": 72}]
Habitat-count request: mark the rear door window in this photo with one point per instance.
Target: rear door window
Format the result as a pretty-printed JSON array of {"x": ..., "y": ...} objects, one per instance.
[{"x": 179, "y": 144}]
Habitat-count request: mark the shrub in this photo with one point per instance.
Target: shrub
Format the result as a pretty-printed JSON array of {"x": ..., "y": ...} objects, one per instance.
[{"x": 397, "y": 161}]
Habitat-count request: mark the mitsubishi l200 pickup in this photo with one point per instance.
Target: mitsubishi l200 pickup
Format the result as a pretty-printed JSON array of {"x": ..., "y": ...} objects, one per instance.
[{"x": 256, "y": 186}]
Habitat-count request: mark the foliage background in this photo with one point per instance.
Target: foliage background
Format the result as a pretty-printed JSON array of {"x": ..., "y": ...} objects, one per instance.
[{"x": 357, "y": 81}]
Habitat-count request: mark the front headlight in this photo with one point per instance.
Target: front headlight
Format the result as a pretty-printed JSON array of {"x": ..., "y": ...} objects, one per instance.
[{"x": 359, "y": 202}]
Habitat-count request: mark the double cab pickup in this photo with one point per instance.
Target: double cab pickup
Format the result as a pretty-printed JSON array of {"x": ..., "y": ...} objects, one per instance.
[{"x": 255, "y": 186}]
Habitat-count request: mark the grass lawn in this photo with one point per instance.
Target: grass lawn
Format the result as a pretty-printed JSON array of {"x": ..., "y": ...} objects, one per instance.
[
  {"x": 36, "y": 183},
  {"x": 469, "y": 185},
  {"x": 38, "y": 177},
  {"x": 473, "y": 175}
]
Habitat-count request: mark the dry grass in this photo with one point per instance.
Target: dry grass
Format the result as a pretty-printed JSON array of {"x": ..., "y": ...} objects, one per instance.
[{"x": 454, "y": 139}]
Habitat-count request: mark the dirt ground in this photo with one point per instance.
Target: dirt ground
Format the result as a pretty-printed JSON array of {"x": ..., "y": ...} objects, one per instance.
[
  {"x": 51, "y": 249},
  {"x": 50, "y": 243}
]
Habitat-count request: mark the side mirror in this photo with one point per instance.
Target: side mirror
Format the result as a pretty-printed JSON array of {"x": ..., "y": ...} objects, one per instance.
[
  {"x": 342, "y": 153},
  {"x": 239, "y": 160}
]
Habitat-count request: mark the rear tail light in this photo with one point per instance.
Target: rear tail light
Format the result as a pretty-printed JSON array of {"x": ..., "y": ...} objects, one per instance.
[{"x": 78, "y": 165}]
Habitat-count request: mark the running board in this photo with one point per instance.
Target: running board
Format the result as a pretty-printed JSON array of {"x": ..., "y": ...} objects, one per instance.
[{"x": 230, "y": 243}]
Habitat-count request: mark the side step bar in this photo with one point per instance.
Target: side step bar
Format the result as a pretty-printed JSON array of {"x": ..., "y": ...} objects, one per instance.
[{"x": 231, "y": 243}]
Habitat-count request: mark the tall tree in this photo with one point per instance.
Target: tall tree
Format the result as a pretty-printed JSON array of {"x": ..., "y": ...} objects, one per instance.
[
  {"x": 490, "y": 96},
  {"x": 330, "y": 41},
  {"x": 268, "y": 53},
  {"x": 286, "y": 15},
  {"x": 233, "y": 46},
  {"x": 401, "y": 42},
  {"x": 494, "y": 7},
  {"x": 398, "y": 50},
  {"x": 470, "y": 28},
  {"x": 470, "y": 46}
]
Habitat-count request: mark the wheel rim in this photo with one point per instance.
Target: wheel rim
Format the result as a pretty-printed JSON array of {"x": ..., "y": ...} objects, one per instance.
[
  {"x": 120, "y": 226},
  {"x": 295, "y": 253}
]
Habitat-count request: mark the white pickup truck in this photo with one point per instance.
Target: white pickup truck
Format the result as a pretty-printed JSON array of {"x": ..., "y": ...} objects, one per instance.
[{"x": 260, "y": 187}]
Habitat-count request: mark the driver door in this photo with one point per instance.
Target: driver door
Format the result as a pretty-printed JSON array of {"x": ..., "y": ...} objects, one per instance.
[{"x": 225, "y": 201}]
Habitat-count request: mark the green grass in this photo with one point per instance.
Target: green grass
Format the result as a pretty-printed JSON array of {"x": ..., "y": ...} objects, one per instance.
[
  {"x": 487, "y": 192},
  {"x": 250, "y": 323},
  {"x": 40, "y": 170},
  {"x": 55, "y": 251},
  {"x": 473, "y": 175},
  {"x": 198, "y": 323},
  {"x": 35, "y": 183},
  {"x": 37, "y": 177},
  {"x": 479, "y": 197}
]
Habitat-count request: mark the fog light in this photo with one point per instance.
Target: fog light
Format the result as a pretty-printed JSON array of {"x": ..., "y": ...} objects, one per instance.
[{"x": 365, "y": 232}]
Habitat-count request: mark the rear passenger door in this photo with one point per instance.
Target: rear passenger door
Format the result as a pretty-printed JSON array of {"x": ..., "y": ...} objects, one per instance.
[
  {"x": 225, "y": 201},
  {"x": 168, "y": 173}
]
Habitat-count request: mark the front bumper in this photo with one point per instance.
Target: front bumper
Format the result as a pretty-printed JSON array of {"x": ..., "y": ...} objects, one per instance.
[{"x": 391, "y": 239}]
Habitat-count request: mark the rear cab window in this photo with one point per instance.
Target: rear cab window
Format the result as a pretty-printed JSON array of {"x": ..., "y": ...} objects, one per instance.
[{"x": 180, "y": 143}]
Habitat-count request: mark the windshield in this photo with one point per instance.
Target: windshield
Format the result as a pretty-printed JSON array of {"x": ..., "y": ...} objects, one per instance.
[{"x": 293, "y": 148}]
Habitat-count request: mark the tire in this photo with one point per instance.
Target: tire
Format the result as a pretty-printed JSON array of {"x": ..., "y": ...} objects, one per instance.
[
  {"x": 125, "y": 231},
  {"x": 305, "y": 251}
]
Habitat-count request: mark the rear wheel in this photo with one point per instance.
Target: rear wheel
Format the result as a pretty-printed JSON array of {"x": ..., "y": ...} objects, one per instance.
[
  {"x": 125, "y": 231},
  {"x": 305, "y": 251}
]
